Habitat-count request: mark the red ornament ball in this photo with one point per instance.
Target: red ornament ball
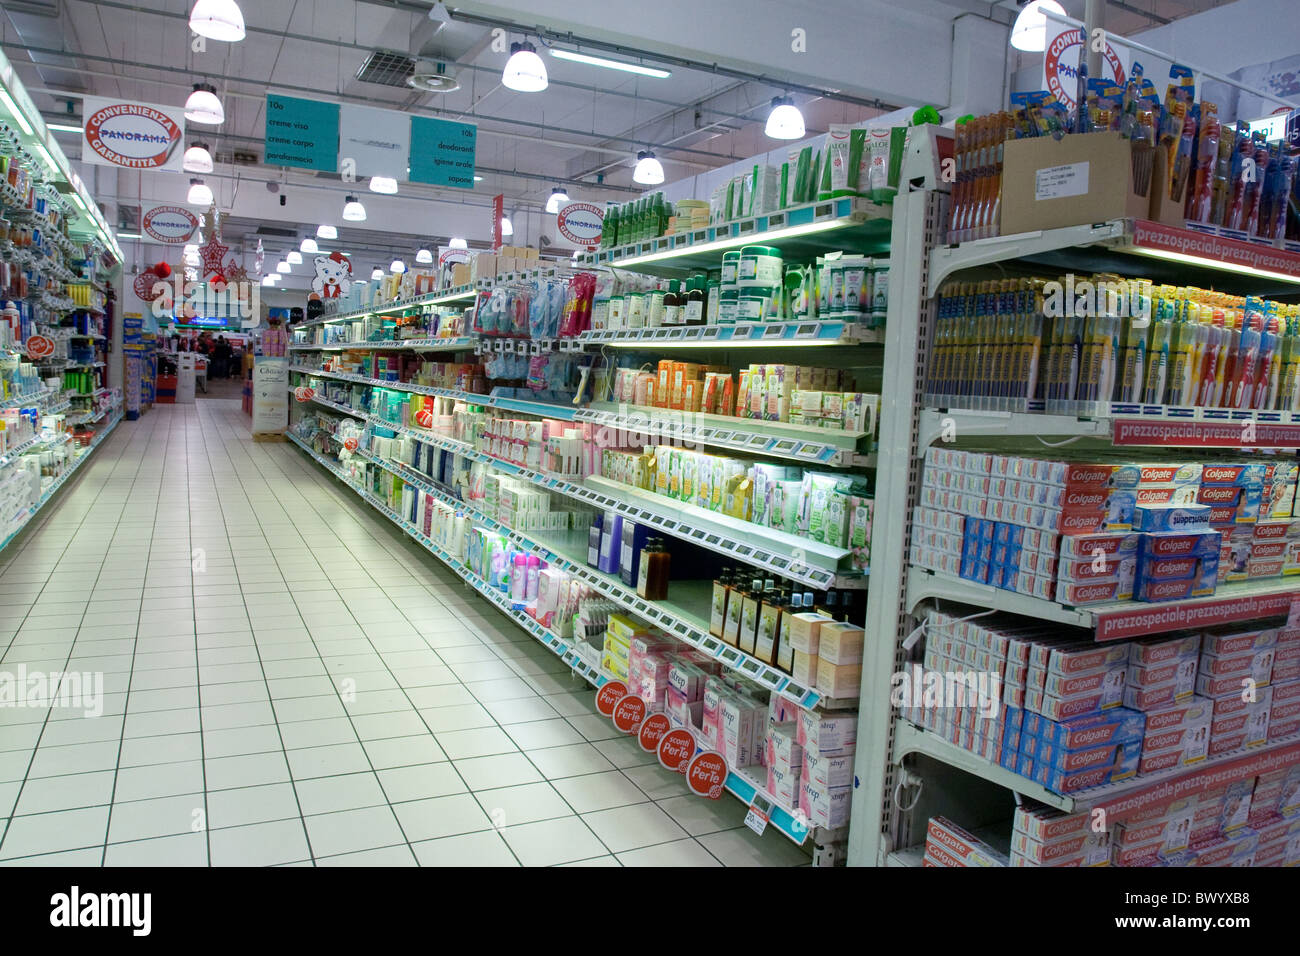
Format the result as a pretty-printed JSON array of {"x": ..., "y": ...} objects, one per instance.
[{"x": 162, "y": 270}]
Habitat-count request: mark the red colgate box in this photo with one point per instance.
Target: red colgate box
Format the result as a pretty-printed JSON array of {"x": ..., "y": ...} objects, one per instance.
[
  {"x": 1266, "y": 568},
  {"x": 1073, "y": 660},
  {"x": 1175, "y": 544},
  {"x": 1180, "y": 669},
  {"x": 1226, "y": 744},
  {"x": 1166, "y": 496},
  {"x": 1159, "y": 650},
  {"x": 1285, "y": 693},
  {"x": 1084, "y": 844},
  {"x": 1276, "y": 530},
  {"x": 1080, "y": 474},
  {"x": 1248, "y": 475},
  {"x": 1208, "y": 685},
  {"x": 1151, "y": 698},
  {"x": 1138, "y": 475},
  {"x": 1147, "y": 854},
  {"x": 1058, "y": 685},
  {"x": 1226, "y": 643},
  {"x": 1285, "y": 654},
  {"x": 1170, "y": 569},
  {"x": 1092, "y": 593},
  {"x": 1285, "y": 712},
  {"x": 1086, "y": 570},
  {"x": 1094, "y": 730},
  {"x": 1288, "y": 635},
  {"x": 1154, "y": 592},
  {"x": 1046, "y": 825},
  {"x": 1260, "y": 550},
  {"x": 1256, "y": 664},
  {"x": 1079, "y": 522},
  {"x": 1234, "y": 704},
  {"x": 962, "y": 845},
  {"x": 1074, "y": 546},
  {"x": 1223, "y": 517},
  {"x": 1287, "y": 671},
  {"x": 1065, "y": 708},
  {"x": 1219, "y": 496},
  {"x": 1283, "y": 729}
]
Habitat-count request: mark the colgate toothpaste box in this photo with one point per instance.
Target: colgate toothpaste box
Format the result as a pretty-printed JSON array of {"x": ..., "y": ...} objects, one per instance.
[
  {"x": 1064, "y": 781},
  {"x": 1169, "y": 569},
  {"x": 1181, "y": 670},
  {"x": 1275, "y": 529},
  {"x": 1186, "y": 495},
  {"x": 1160, "y": 650},
  {"x": 1179, "y": 544},
  {"x": 1219, "y": 496},
  {"x": 1100, "y": 569},
  {"x": 1207, "y": 685},
  {"x": 1247, "y": 475},
  {"x": 961, "y": 845},
  {"x": 1149, "y": 518},
  {"x": 1224, "y": 643},
  {"x": 1092, "y": 593},
  {"x": 1106, "y": 544},
  {"x": 1047, "y": 825},
  {"x": 1157, "y": 474},
  {"x": 1091, "y": 849},
  {"x": 1257, "y": 568},
  {"x": 1116, "y": 726},
  {"x": 1156, "y": 591},
  {"x": 1151, "y": 698},
  {"x": 1109, "y": 683},
  {"x": 1268, "y": 550},
  {"x": 1073, "y": 660},
  {"x": 1255, "y": 664}
]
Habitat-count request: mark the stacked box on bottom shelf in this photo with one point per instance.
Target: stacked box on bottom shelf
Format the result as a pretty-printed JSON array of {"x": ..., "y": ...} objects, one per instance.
[{"x": 948, "y": 845}]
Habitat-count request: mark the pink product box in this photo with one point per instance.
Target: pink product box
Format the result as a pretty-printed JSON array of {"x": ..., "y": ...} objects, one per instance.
[
  {"x": 784, "y": 786},
  {"x": 783, "y": 750},
  {"x": 828, "y": 733},
  {"x": 682, "y": 712},
  {"x": 825, "y": 807},
  {"x": 828, "y": 772}
]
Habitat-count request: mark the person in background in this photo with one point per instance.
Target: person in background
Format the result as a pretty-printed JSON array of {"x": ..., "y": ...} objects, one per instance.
[{"x": 221, "y": 354}]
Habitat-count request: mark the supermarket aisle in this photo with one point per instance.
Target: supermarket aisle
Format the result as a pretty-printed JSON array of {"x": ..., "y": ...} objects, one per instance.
[{"x": 287, "y": 681}]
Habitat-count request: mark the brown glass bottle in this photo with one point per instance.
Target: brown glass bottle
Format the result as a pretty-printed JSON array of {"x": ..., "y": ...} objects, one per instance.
[{"x": 693, "y": 311}]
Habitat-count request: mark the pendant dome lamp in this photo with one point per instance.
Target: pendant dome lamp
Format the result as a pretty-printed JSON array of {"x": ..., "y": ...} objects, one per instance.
[
  {"x": 198, "y": 159},
  {"x": 204, "y": 107},
  {"x": 218, "y": 20},
  {"x": 525, "y": 72},
  {"x": 1029, "y": 33},
  {"x": 649, "y": 171}
]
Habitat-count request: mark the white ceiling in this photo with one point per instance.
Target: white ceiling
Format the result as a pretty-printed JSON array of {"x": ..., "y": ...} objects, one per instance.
[{"x": 584, "y": 129}]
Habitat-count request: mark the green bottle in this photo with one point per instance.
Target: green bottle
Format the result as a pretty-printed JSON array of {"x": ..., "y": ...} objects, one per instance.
[{"x": 609, "y": 229}]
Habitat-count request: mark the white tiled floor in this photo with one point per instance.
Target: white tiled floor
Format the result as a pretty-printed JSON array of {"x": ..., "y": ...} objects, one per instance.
[{"x": 288, "y": 681}]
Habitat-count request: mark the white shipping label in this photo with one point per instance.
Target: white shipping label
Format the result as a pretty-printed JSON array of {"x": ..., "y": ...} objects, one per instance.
[{"x": 1058, "y": 182}]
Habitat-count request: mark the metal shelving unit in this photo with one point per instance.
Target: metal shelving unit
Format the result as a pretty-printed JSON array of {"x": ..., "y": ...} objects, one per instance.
[{"x": 884, "y": 833}]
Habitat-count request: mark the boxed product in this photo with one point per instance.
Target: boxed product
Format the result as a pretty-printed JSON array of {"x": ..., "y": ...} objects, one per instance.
[
  {"x": 828, "y": 733},
  {"x": 960, "y": 846}
]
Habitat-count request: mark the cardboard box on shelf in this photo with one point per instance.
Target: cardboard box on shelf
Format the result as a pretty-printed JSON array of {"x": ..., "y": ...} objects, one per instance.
[{"x": 1080, "y": 179}]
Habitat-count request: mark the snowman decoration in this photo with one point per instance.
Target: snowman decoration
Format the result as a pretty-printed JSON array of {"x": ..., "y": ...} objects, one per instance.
[{"x": 333, "y": 276}]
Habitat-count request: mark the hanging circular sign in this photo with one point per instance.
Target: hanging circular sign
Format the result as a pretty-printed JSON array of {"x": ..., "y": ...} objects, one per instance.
[
  {"x": 676, "y": 749},
  {"x": 651, "y": 732},
  {"x": 170, "y": 224},
  {"x": 706, "y": 774},
  {"x": 39, "y": 347},
  {"x": 304, "y": 393},
  {"x": 610, "y": 694},
  {"x": 132, "y": 135},
  {"x": 1061, "y": 63},
  {"x": 146, "y": 286},
  {"x": 628, "y": 713},
  {"x": 581, "y": 223}
]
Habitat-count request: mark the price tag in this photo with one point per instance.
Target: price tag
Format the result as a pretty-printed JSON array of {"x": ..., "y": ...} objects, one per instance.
[{"x": 760, "y": 812}]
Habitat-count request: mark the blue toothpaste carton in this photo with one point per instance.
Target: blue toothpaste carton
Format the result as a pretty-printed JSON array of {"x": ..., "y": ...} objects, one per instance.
[{"x": 1180, "y": 518}]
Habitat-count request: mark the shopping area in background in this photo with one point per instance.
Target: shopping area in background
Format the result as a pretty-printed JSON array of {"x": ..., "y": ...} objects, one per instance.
[{"x": 534, "y": 425}]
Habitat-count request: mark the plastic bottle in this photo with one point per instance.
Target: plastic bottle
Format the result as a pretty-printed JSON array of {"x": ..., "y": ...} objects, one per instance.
[{"x": 533, "y": 570}]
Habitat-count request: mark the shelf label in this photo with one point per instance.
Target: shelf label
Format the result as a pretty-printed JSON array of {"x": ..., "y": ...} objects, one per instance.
[
  {"x": 706, "y": 774},
  {"x": 676, "y": 749},
  {"x": 629, "y": 713},
  {"x": 1160, "y": 619},
  {"x": 609, "y": 697},
  {"x": 651, "y": 732},
  {"x": 760, "y": 811}
]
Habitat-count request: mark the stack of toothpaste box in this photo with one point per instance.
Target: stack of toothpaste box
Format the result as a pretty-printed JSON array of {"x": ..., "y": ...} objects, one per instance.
[
  {"x": 1083, "y": 532},
  {"x": 948, "y": 845},
  {"x": 1071, "y": 714}
]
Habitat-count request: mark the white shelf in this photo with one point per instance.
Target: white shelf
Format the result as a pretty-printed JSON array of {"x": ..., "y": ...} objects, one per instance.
[
  {"x": 457, "y": 294},
  {"x": 1132, "y": 425},
  {"x": 686, "y": 624},
  {"x": 806, "y": 332},
  {"x": 1119, "y": 620},
  {"x": 1191, "y": 249},
  {"x": 804, "y": 561},
  {"x": 423, "y": 345},
  {"x": 738, "y": 782},
  {"x": 63, "y": 479}
]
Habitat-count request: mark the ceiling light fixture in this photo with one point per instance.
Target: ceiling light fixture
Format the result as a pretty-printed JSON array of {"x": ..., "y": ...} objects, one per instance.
[
  {"x": 1029, "y": 33},
  {"x": 457, "y": 242},
  {"x": 785, "y": 121},
  {"x": 353, "y": 211},
  {"x": 558, "y": 198},
  {"x": 294, "y": 258},
  {"x": 636, "y": 68},
  {"x": 200, "y": 193},
  {"x": 64, "y": 128},
  {"x": 309, "y": 246},
  {"x": 267, "y": 280},
  {"x": 283, "y": 267},
  {"x": 16, "y": 113},
  {"x": 218, "y": 20},
  {"x": 326, "y": 232},
  {"x": 525, "y": 72},
  {"x": 478, "y": 178},
  {"x": 383, "y": 184},
  {"x": 377, "y": 274},
  {"x": 204, "y": 107},
  {"x": 397, "y": 267},
  {"x": 649, "y": 171},
  {"x": 507, "y": 227},
  {"x": 198, "y": 159},
  {"x": 424, "y": 257}
]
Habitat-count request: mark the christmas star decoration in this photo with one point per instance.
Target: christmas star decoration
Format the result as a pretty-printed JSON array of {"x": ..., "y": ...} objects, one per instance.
[
  {"x": 235, "y": 273},
  {"x": 213, "y": 253}
]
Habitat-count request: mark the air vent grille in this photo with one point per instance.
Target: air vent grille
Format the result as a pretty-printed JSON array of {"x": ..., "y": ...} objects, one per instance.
[{"x": 386, "y": 68}]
